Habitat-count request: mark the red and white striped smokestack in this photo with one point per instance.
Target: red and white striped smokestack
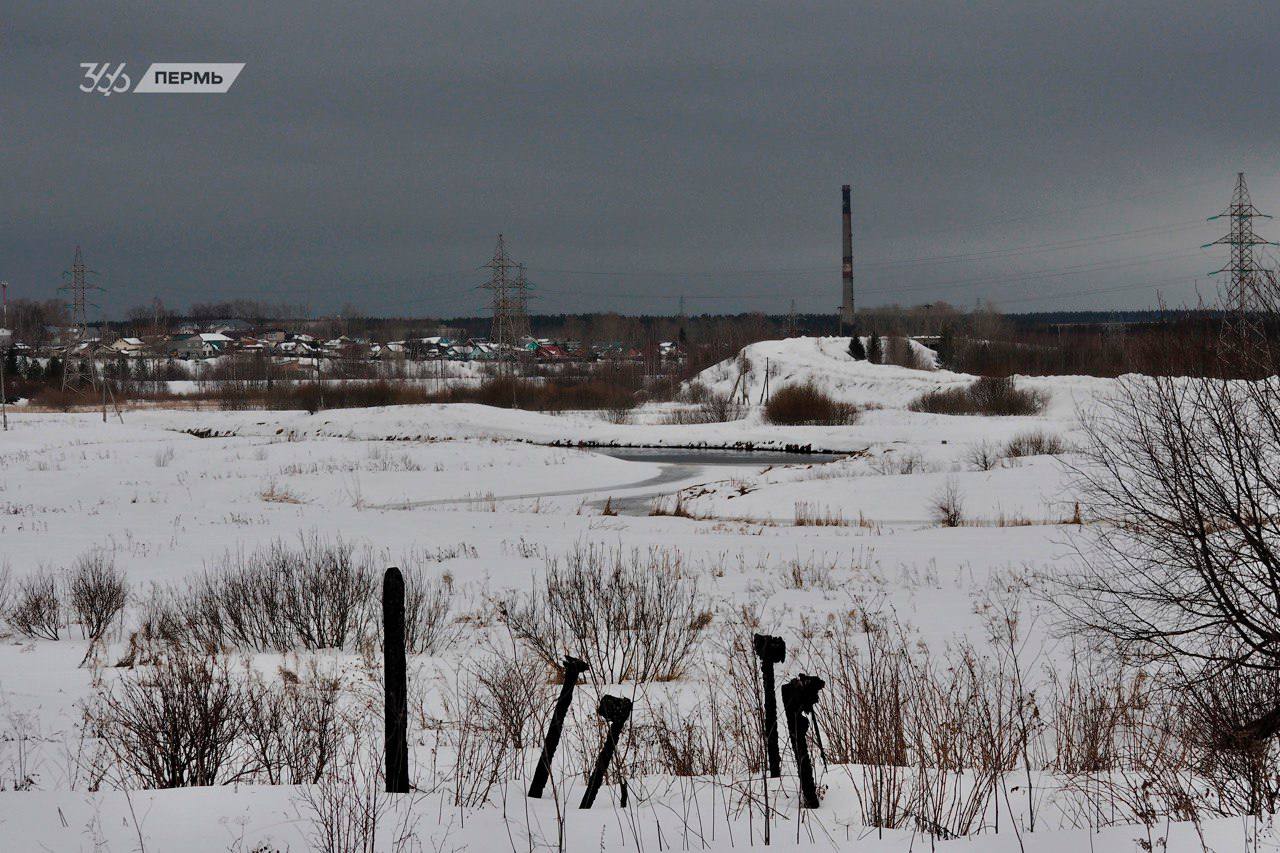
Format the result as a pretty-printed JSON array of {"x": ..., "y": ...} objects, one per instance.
[{"x": 846, "y": 269}]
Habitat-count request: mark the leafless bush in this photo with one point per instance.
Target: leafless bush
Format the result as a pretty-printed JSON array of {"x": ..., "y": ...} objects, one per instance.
[
  {"x": 695, "y": 741},
  {"x": 864, "y": 716},
  {"x": 632, "y": 616},
  {"x": 292, "y": 729},
  {"x": 513, "y": 694},
  {"x": 1090, "y": 709},
  {"x": 428, "y": 605},
  {"x": 711, "y": 408},
  {"x": 36, "y": 611},
  {"x": 893, "y": 462},
  {"x": 1035, "y": 443},
  {"x": 1219, "y": 710},
  {"x": 173, "y": 725},
  {"x": 808, "y": 404},
  {"x": 925, "y": 742},
  {"x": 164, "y": 456},
  {"x": 317, "y": 596},
  {"x": 987, "y": 395},
  {"x": 478, "y": 742},
  {"x": 98, "y": 592},
  {"x": 350, "y": 813},
  {"x": 984, "y": 455},
  {"x": 693, "y": 392},
  {"x": 948, "y": 504}
]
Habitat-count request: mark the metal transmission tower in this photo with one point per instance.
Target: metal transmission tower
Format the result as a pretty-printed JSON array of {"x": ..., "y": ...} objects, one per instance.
[
  {"x": 509, "y": 297},
  {"x": 520, "y": 292},
  {"x": 1250, "y": 291},
  {"x": 74, "y": 373}
]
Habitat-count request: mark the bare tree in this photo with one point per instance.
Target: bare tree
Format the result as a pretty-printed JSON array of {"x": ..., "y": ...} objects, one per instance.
[{"x": 1187, "y": 562}]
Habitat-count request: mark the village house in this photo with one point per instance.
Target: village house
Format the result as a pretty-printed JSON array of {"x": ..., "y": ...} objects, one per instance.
[{"x": 132, "y": 347}]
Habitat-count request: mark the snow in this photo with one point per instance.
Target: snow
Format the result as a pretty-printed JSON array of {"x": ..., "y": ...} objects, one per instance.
[{"x": 169, "y": 491}]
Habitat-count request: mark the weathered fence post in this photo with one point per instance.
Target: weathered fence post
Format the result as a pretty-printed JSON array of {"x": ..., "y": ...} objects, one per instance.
[
  {"x": 771, "y": 650},
  {"x": 396, "y": 687},
  {"x": 799, "y": 695},
  {"x": 572, "y": 669},
  {"x": 615, "y": 709}
]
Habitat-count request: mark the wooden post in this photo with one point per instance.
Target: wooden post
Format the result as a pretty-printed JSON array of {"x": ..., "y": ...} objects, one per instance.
[
  {"x": 396, "y": 688},
  {"x": 771, "y": 650},
  {"x": 573, "y": 667},
  {"x": 616, "y": 710}
]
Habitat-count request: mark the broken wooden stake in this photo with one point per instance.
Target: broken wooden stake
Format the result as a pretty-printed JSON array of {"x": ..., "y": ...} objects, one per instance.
[
  {"x": 572, "y": 669},
  {"x": 771, "y": 650},
  {"x": 616, "y": 710}
]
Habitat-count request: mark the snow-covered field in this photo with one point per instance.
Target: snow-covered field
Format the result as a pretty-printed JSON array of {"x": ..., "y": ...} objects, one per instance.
[{"x": 802, "y": 549}]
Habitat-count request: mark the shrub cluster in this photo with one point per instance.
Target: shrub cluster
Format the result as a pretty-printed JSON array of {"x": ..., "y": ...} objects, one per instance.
[
  {"x": 988, "y": 395},
  {"x": 1034, "y": 443},
  {"x": 633, "y": 615},
  {"x": 93, "y": 591},
  {"x": 320, "y": 595},
  {"x": 795, "y": 405},
  {"x": 190, "y": 720}
]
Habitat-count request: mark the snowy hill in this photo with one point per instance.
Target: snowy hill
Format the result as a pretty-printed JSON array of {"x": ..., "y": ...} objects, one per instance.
[{"x": 827, "y": 364}]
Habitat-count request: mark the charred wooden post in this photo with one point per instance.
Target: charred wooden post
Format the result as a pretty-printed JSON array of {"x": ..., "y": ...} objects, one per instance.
[
  {"x": 572, "y": 669},
  {"x": 396, "y": 739},
  {"x": 799, "y": 695},
  {"x": 616, "y": 710},
  {"x": 771, "y": 650}
]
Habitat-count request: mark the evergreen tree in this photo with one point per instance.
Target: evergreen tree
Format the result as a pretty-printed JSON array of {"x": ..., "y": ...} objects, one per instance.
[
  {"x": 875, "y": 348},
  {"x": 946, "y": 347},
  {"x": 856, "y": 349}
]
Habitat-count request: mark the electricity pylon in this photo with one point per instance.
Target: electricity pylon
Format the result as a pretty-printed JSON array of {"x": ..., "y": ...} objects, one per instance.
[
  {"x": 509, "y": 297},
  {"x": 78, "y": 287}
]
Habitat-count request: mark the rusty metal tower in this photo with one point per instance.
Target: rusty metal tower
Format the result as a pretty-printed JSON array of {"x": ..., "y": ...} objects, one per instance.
[
  {"x": 1249, "y": 293},
  {"x": 508, "y": 299},
  {"x": 77, "y": 369},
  {"x": 846, "y": 268}
]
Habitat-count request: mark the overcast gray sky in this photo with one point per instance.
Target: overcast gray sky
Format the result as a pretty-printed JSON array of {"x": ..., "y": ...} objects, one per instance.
[{"x": 370, "y": 152}]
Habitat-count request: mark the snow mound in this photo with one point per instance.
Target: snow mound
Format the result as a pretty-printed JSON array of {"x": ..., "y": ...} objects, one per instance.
[{"x": 826, "y": 363}]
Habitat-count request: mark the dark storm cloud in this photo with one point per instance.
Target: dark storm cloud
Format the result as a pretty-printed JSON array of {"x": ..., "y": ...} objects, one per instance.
[{"x": 368, "y": 154}]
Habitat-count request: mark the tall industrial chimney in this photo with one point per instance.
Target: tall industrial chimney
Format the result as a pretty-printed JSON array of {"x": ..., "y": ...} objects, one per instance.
[{"x": 846, "y": 269}]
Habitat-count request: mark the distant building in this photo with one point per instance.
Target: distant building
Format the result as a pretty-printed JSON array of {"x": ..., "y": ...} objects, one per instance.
[
  {"x": 200, "y": 345},
  {"x": 128, "y": 346}
]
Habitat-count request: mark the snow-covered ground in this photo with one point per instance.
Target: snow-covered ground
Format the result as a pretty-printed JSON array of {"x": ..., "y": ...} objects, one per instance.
[{"x": 496, "y": 495}]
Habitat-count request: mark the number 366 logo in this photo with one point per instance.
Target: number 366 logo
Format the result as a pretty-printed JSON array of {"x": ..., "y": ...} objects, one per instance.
[
  {"x": 161, "y": 77},
  {"x": 98, "y": 77}
]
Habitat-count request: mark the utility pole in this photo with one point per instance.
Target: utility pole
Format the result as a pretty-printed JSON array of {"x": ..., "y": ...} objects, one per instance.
[
  {"x": 4, "y": 354},
  {"x": 1243, "y": 335}
]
